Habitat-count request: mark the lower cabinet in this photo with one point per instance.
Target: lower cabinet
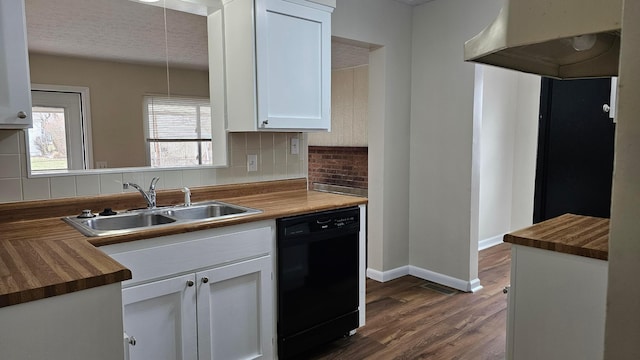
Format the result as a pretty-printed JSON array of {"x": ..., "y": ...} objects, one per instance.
[
  {"x": 220, "y": 313},
  {"x": 160, "y": 319},
  {"x": 235, "y": 311},
  {"x": 79, "y": 325},
  {"x": 202, "y": 295},
  {"x": 556, "y": 306}
]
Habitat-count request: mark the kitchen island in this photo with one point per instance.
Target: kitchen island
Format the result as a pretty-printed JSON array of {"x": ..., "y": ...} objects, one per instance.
[{"x": 557, "y": 297}]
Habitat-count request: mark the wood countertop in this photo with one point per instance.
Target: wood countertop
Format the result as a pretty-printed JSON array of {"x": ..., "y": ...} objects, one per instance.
[
  {"x": 43, "y": 256},
  {"x": 571, "y": 234}
]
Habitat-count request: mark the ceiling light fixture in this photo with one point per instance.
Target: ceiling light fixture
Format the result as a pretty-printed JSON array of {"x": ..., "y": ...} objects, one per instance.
[{"x": 584, "y": 42}]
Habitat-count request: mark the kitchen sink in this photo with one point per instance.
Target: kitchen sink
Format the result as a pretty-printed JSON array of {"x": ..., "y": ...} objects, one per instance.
[
  {"x": 127, "y": 221},
  {"x": 137, "y": 220},
  {"x": 205, "y": 211}
]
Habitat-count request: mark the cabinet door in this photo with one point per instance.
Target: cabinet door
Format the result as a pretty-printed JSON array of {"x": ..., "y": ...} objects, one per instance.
[
  {"x": 557, "y": 306},
  {"x": 15, "y": 98},
  {"x": 293, "y": 56},
  {"x": 161, "y": 317},
  {"x": 235, "y": 313}
]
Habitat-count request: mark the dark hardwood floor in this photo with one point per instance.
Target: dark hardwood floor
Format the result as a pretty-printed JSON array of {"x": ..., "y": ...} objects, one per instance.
[{"x": 408, "y": 321}]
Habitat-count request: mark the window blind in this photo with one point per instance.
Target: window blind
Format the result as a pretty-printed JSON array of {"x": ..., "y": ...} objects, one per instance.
[{"x": 178, "y": 130}]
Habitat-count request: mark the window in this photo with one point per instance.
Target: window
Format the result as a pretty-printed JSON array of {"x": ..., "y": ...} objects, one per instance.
[
  {"x": 59, "y": 137},
  {"x": 178, "y": 131}
]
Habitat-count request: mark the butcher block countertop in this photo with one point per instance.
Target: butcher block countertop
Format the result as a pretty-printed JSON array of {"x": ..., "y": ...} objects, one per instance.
[
  {"x": 571, "y": 234},
  {"x": 42, "y": 256}
]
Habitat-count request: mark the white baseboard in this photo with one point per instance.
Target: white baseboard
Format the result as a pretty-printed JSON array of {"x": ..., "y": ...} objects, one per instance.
[
  {"x": 446, "y": 280},
  {"x": 492, "y": 241},
  {"x": 462, "y": 285},
  {"x": 384, "y": 276}
]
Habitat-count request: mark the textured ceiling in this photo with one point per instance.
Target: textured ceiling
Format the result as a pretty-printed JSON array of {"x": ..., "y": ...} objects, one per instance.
[
  {"x": 119, "y": 30},
  {"x": 347, "y": 55}
]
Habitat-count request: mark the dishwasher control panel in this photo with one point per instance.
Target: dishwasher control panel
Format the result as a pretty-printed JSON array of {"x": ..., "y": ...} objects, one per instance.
[{"x": 319, "y": 222}]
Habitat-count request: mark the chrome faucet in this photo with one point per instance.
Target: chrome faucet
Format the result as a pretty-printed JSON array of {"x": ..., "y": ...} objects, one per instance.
[{"x": 149, "y": 196}]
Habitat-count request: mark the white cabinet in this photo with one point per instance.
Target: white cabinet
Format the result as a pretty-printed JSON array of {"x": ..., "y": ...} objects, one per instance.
[
  {"x": 15, "y": 96},
  {"x": 234, "y": 307},
  {"x": 278, "y": 65},
  {"x": 200, "y": 295},
  {"x": 160, "y": 319},
  {"x": 83, "y": 324},
  {"x": 556, "y": 305},
  {"x": 220, "y": 313}
]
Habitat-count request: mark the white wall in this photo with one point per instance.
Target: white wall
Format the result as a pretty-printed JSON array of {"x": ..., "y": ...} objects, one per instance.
[
  {"x": 508, "y": 147},
  {"x": 386, "y": 23},
  {"x": 496, "y": 150},
  {"x": 525, "y": 150},
  {"x": 441, "y": 236},
  {"x": 623, "y": 312}
]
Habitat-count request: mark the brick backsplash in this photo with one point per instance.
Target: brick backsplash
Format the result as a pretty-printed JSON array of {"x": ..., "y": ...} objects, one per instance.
[{"x": 337, "y": 165}]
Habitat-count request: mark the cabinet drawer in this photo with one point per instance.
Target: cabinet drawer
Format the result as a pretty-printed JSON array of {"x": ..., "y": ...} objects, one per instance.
[{"x": 171, "y": 255}]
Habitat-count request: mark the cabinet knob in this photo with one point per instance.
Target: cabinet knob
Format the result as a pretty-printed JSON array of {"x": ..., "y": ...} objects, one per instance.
[
  {"x": 22, "y": 115},
  {"x": 205, "y": 280},
  {"x": 190, "y": 283},
  {"x": 506, "y": 290},
  {"x": 132, "y": 341},
  {"x": 265, "y": 122}
]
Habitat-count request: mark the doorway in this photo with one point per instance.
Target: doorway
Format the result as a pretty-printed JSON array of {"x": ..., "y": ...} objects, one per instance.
[
  {"x": 575, "y": 149},
  {"x": 59, "y": 138},
  {"x": 338, "y": 160}
]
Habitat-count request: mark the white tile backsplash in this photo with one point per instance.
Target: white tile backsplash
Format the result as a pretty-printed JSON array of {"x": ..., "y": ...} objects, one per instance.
[
  {"x": 133, "y": 177},
  {"x": 149, "y": 175},
  {"x": 238, "y": 149},
  {"x": 63, "y": 186},
  {"x": 87, "y": 185},
  {"x": 172, "y": 179},
  {"x": 253, "y": 143},
  {"x": 239, "y": 172},
  {"x": 191, "y": 178},
  {"x": 36, "y": 189},
  {"x": 10, "y": 166},
  {"x": 9, "y": 143},
  {"x": 208, "y": 176},
  {"x": 111, "y": 183},
  {"x": 271, "y": 148},
  {"x": 225, "y": 176},
  {"x": 10, "y": 190}
]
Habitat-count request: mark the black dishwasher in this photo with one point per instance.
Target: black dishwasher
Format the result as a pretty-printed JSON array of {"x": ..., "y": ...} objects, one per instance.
[{"x": 317, "y": 279}]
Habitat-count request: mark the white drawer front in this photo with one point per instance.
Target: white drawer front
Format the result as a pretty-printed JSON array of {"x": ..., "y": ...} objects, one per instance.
[{"x": 191, "y": 252}]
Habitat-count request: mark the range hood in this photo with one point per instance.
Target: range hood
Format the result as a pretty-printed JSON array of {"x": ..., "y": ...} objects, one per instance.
[{"x": 563, "y": 39}]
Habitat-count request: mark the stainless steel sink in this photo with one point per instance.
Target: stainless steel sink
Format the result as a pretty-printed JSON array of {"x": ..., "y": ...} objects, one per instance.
[
  {"x": 127, "y": 221},
  {"x": 143, "y": 219},
  {"x": 205, "y": 211}
]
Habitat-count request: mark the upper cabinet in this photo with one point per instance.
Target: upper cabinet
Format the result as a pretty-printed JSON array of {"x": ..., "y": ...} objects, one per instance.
[
  {"x": 278, "y": 65},
  {"x": 15, "y": 98}
]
